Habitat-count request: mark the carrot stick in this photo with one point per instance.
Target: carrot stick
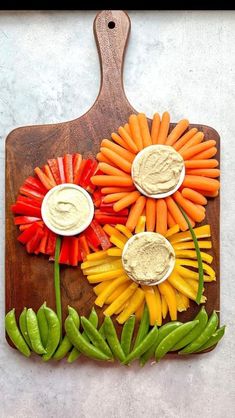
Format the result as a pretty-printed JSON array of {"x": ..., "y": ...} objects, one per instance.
[
  {"x": 112, "y": 171},
  {"x": 127, "y": 155},
  {"x": 178, "y": 130},
  {"x": 195, "y": 140},
  {"x": 194, "y": 196},
  {"x": 170, "y": 220},
  {"x": 111, "y": 181},
  {"x": 185, "y": 138},
  {"x": 155, "y": 127},
  {"x": 194, "y": 150},
  {"x": 127, "y": 128},
  {"x": 43, "y": 178},
  {"x": 127, "y": 138},
  {"x": 135, "y": 131},
  {"x": 144, "y": 129},
  {"x": 200, "y": 207},
  {"x": 109, "y": 190},
  {"x": 161, "y": 225},
  {"x": 100, "y": 157},
  {"x": 204, "y": 155},
  {"x": 207, "y": 193},
  {"x": 164, "y": 128},
  {"x": 206, "y": 172},
  {"x": 49, "y": 174},
  {"x": 114, "y": 197},
  {"x": 191, "y": 222},
  {"x": 126, "y": 201},
  {"x": 189, "y": 207},
  {"x": 116, "y": 138},
  {"x": 176, "y": 213},
  {"x": 201, "y": 163},
  {"x": 201, "y": 183},
  {"x": 135, "y": 213},
  {"x": 117, "y": 159},
  {"x": 150, "y": 214}
]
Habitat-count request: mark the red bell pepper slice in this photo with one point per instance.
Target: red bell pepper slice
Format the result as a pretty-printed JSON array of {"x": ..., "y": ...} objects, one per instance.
[
  {"x": 28, "y": 234},
  {"x": 65, "y": 251},
  {"x": 97, "y": 196},
  {"x": 78, "y": 175},
  {"x": 111, "y": 220},
  {"x": 29, "y": 201},
  {"x": 77, "y": 159},
  {"x": 43, "y": 244},
  {"x": 101, "y": 235},
  {"x": 88, "y": 171},
  {"x": 107, "y": 208},
  {"x": 34, "y": 242},
  {"x": 68, "y": 168},
  {"x": 55, "y": 170},
  {"x": 92, "y": 238},
  {"x": 31, "y": 193},
  {"x": 60, "y": 163},
  {"x": 35, "y": 184},
  {"x": 74, "y": 251},
  {"x": 49, "y": 174},
  {"x": 51, "y": 242},
  {"x": 22, "y": 220},
  {"x": 84, "y": 248},
  {"x": 24, "y": 227},
  {"x": 22, "y": 208}
]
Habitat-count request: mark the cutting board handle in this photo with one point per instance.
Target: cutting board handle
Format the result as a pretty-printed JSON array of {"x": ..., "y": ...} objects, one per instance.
[{"x": 111, "y": 30}]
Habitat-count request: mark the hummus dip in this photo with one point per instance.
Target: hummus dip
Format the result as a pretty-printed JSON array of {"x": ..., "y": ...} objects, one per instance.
[
  {"x": 66, "y": 209},
  {"x": 157, "y": 169},
  {"x": 148, "y": 258}
]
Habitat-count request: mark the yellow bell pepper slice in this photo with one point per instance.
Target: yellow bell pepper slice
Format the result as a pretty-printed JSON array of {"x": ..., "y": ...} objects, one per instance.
[
  {"x": 88, "y": 264},
  {"x": 187, "y": 245},
  {"x": 182, "y": 286},
  {"x": 189, "y": 274},
  {"x": 182, "y": 301},
  {"x": 193, "y": 263},
  {"x": 159, "y": 306},
  {"x": 167, "y": 290},
  {"x": 134, "y": 303},
  {"x": 100, "y": 277},
  {"x": 172, "y": 231},
  {"x": 102, "y": 268},
  {"x": 100, "y": 300},
  {"x": 200, "y": 232},
  {"x": 120, "y": 300},
  {"x": 101, "y": 286},
  {"x": 100, "y": 255},
  {"x": 114, "y": 252},
  {"x": 139, "y": 311},
  {"x": 117, "y": 293},
  {"x": 140, "y": 227},
  {"x": 119, "y": 310},
  {"x": 193, "y": 255},
  {"x": 116, "y": 241},
  {"x": 164, "y": 306},
  {"x": 124, "y": 230},
  {"x": 154, "y": 306},
  {"x": 110, "y": 230}
]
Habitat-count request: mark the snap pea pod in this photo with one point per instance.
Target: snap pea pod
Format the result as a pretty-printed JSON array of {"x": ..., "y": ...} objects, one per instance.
[
  {"x": 113, "y": 340},
  {"x": 204, "y": 337},
  {"x": 95, "y": 337},
  {"x": 42, "y": 324},
  {"x": 214, "y": 339},
  {"x": 33, "y": 332},
  {"x": 102, "y": 331},
  {"x": 127, "y": 333},
  {"x": 14, "y": 333},
  {"x": 23, "y": 327},
  {"x": 53, "y": 334},
  {"x": 75, "y": 353},
  {"x": 65, "y": 344},
  {"x": 171, "y": 339},
  {"x": 163, "y": 332},
  {"x": 143, "y": 327},
  {"x": 80, "y": 342},
  {"x": 196, "y": 331},
  {"x": 143, "y": 346}
]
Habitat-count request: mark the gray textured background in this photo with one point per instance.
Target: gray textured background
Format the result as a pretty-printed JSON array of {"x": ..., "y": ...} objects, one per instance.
[{"x": 49, "y": 72}]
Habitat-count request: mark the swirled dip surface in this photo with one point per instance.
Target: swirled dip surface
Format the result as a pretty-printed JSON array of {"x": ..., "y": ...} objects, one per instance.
[
  {"x": 148, "y": 257},
  {"x": 157, "y": 169},
  {"x": 67, "y": 209}
]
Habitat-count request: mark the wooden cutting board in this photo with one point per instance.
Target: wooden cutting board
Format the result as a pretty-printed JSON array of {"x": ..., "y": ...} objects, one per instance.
[{"x": 29, "y": 278}]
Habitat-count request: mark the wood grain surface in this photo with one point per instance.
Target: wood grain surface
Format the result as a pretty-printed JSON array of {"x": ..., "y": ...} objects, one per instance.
[{"x": 29, "y": 278}]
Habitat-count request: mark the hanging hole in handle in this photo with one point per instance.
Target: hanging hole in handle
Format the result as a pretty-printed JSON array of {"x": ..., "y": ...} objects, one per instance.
[{"x": 111, "y": 25}]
